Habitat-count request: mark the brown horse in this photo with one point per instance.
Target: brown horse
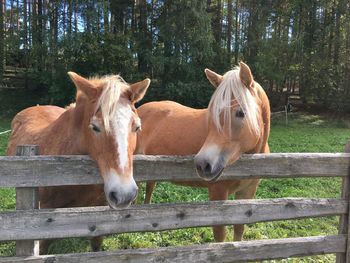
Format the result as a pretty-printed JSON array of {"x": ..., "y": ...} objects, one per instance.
[
  {"x": 102, "y": 124},
  {"x": 237, "y": 121}
]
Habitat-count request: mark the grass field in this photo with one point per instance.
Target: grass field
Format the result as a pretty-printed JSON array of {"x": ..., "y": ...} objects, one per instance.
[{"x": 304, "y": 133}]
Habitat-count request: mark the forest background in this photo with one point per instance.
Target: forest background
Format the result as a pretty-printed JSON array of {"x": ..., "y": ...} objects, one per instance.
[{"x": 293, "y": 47}]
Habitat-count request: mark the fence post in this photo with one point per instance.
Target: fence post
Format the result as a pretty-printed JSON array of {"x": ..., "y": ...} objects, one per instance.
[
  {"x": 344, "y": 219},
  {"x": 26, "y": 199}
]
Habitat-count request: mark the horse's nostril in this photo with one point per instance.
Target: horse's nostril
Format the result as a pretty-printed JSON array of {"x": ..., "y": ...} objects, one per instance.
[
  {"x": 207, "y": 168},
  {"x": 113, "y": 197}
]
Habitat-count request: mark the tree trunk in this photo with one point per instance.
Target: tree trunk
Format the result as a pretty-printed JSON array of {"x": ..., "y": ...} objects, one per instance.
[
  {"x": 53, "y": 10},
  {"x": 64, "y": 17},
  {"x": 56, "y": 24},
  {"x": 35, "y": 22},
  {"x": 236, "y": 32},
  {"x": 18, "y": 16},
  {"x": 69, "y": 19},
  {"x": 346, "y": 82},
  {"x": 144, "y": 37},
  {"x": 309, "y": 15},
  {"x": 11, "y": 30},
  {"x": 40, "y": 34},
  {"x": 229, "y": 24},
  {"x": 338, "y": 14},
  {"x": 331, "y": 34},
  {"x": 217, "y": 23},
  {"x": 167, "y": 45},
  {"x": 30, "y": 24},
  {"x": 76, "y": 18},
  {"x": 117, "y": 14},
  {"x": 25, "y": 28},
  {"x": 2, "y": 40},
  {"x": 258, "y": 15},
  {"x": 87, "y": 18},
  {"x": 105, "y": 16}
]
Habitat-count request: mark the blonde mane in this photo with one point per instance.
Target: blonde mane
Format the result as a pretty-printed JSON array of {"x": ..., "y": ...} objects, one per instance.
[
  {"x": 232, "y": 90},
  {"x": 114, "y": 86}
]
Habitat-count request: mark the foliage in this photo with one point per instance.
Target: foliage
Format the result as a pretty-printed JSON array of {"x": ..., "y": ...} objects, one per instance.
[{"x": 294, "y": 46}]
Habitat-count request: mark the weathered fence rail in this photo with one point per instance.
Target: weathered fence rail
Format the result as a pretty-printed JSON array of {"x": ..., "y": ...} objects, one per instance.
[
  {"x": 97, "y": 221},
  {"x": 214, "y": 252},
  {"x": 30, "y": 172}
]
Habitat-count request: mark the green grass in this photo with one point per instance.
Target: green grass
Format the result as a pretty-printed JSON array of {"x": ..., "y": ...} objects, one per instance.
[
  {"x": 5, "y": 125},
  {"x": 304, "y": 133}
]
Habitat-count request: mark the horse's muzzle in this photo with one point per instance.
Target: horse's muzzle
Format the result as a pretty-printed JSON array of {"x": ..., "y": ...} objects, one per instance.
[
  {"x": 117, "y": 200},
  {"x": 120, "y": 194},
  {"x": 207, "y": 170}
]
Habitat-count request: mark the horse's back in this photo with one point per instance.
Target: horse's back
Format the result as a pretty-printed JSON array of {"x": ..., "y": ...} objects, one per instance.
[
  {"x": 28, "y": 124},
  {"x": 163, "y": 109},
  {"x": 170, "y": 128}
]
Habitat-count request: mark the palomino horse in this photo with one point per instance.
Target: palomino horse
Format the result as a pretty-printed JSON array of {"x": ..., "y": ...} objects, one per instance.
[
  {"x": 237, "y": 121},
  {"x": 103, "y": 124}
]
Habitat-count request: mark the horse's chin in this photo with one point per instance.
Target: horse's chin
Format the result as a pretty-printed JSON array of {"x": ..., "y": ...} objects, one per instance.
[
  {"x": 213, "y": 177},
  {"x": 118, "y": 207},
  {"x": 218, "y": 174}
]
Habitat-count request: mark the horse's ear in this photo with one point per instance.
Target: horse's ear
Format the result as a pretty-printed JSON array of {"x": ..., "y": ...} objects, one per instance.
[
  {"x": 83, "y": 85},
  {"x": 138, "y": 90},
  {"x": 246, "y": 75},
  {"x": 214, "y": 78}
]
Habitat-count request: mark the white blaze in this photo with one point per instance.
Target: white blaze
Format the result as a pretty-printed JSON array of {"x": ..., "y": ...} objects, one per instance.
[{"x": 121, "y": 122}]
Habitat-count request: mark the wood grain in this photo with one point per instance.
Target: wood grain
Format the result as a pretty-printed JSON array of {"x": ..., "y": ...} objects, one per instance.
[
  {"x": 213, "y": 252},
  {"x": 98, "y": 221},
  {"x": 27, "y": 198},
  {"x": 344, "y": 226},
  {"x": 73, "y": 170}
]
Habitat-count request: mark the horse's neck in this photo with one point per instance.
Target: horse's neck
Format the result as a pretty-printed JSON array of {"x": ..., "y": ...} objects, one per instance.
[
  {"x": 262, "y": 146},
  {"x": 64, "y": 135}
]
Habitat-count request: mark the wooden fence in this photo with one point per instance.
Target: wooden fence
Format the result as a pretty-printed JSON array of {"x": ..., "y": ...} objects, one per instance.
[{"x": 27, "y": 223}]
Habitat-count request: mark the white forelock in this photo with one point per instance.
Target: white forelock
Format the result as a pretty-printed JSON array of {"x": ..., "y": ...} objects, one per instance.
[
  {"x": 108, "y": 101},
  {"x": 232, "y": 90}
]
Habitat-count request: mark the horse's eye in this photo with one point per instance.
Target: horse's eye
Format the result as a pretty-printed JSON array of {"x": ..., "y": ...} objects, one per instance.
[
  {"x": 239, "y": 114},
  {"x": 136, "y": 125},
  {"x": 137, "y": 128},
  {"x": 95, "y": 128}
]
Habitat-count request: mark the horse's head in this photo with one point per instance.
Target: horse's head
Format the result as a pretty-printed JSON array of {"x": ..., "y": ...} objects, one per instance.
[
  {"x": 234, "y": 122},
  {"x": 108, "y": 121}
]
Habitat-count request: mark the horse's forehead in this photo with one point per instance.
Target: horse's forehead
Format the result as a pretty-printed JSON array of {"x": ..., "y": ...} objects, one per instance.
[
  {"x": 234, "y": 103},
  {"x": 123, "y": 112},
  {"x": 124, "y": 103}
]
